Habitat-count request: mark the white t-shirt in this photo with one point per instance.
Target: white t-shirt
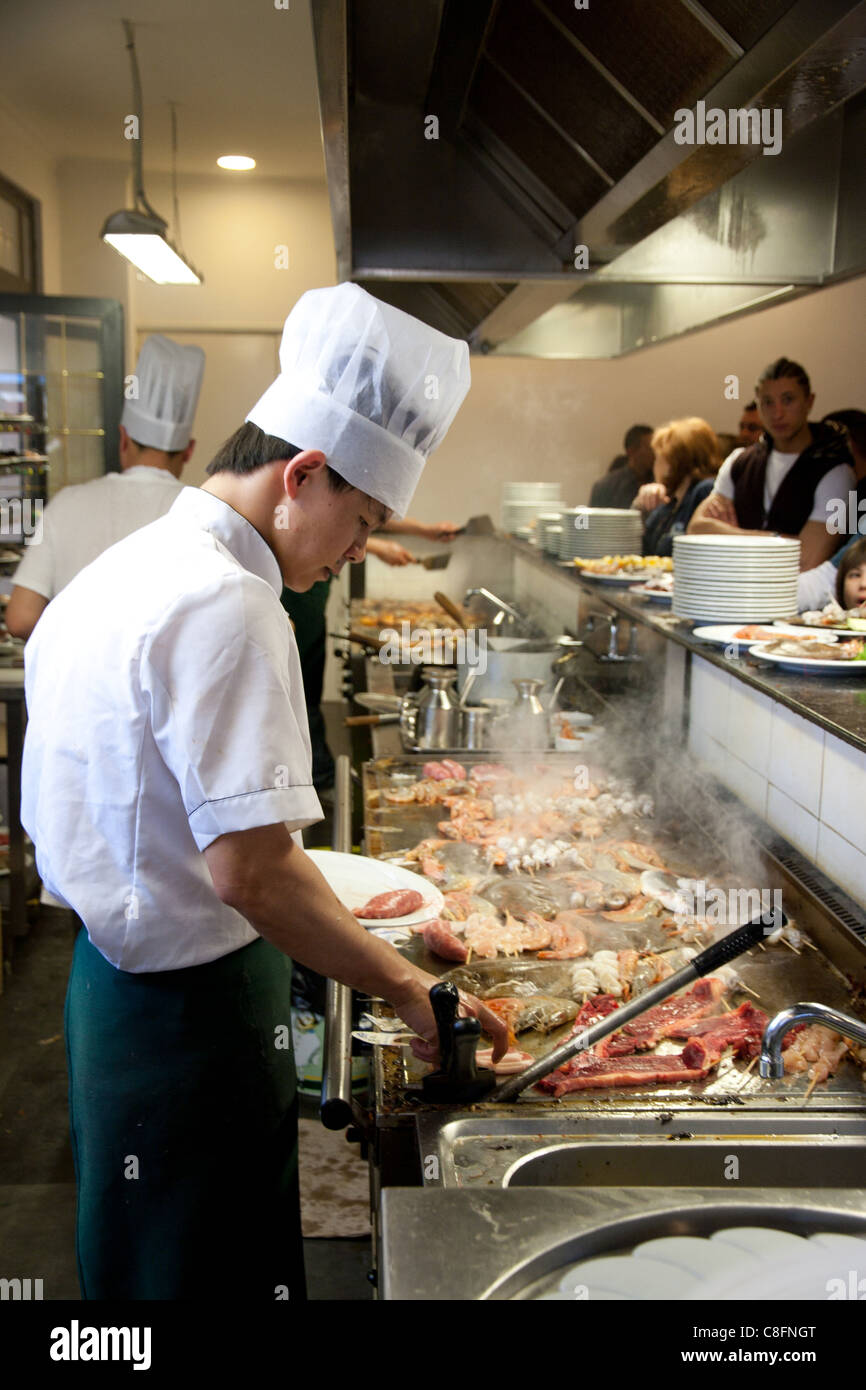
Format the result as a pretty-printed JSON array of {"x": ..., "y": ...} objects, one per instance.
[
  {"x": 835, "y": 484},
  {"x": 165, "y": 708},
  {"x": 82, "y": 521}
]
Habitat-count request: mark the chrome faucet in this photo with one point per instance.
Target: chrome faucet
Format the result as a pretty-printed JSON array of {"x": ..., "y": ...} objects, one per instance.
[
  {"x": 771, "y": 1063},
  {"x": 613, "y": 653},
  {"x": 505, "y": 609}
]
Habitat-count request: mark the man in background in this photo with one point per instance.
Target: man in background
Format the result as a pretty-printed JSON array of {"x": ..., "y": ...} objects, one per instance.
[
  {"x": 785, "y": 484},
  {"x": 619, "y": 486},
  {"x": 83, "y": 521}
]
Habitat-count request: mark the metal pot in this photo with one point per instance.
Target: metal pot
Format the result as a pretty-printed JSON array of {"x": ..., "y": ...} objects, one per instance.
[{"x": 509, "y": 659}]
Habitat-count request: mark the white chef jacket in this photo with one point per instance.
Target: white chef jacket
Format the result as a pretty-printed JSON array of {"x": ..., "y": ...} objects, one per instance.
[
  {"x": 82, "y": 521},
  {"x": 165, "y": 708}
]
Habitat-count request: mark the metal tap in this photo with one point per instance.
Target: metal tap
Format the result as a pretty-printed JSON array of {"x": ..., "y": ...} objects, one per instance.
[
  {"x": 505, "y": 609},
  {"x": 613, "y": 653},
  {"x": 771, "y": 1063}
]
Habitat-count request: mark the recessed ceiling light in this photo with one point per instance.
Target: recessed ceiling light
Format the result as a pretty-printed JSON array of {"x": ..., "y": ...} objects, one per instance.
[{"x": 236, "y": 161}]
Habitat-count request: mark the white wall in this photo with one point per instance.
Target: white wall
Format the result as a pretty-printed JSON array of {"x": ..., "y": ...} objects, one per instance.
[
  {"x": 564, "y": 421},
  {"x": 230, "y": 229}
]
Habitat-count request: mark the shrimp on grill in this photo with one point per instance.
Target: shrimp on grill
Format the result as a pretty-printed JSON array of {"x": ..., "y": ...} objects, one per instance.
[
  {"x": 816, "y": 1049},
  {"x": 631, "y": 854}
]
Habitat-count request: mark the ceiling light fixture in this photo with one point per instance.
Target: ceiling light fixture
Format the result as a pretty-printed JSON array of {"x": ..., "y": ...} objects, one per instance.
[
  {"x": 139, "y": 233},
  {"x": 236, "y": 161}
]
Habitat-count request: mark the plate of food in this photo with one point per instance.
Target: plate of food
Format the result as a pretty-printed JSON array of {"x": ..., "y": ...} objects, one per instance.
[
  {"x": 818, "y": 657},
  {"x": 729, "y": 634},
  {"x": 658, "y": 589},
  {"x": 624, "y": 569},
  {"x": 388, "y": 895},
  {"x": 831, "y": 618}
]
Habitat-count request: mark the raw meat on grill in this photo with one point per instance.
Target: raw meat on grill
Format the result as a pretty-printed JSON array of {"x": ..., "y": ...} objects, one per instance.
[
  {"x": 440, "y": 939},
  {"x": 399, "y": 902},
  {"x": 650, "y": 1028},
  {"x": 632, "y": 1070}
]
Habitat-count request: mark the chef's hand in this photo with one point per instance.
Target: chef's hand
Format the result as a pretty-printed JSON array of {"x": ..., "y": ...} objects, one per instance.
[
  {"x": 416, "y": 1010},
  {"x": 440, "y": 531},
  {"x": 390, "y": 551},
  {"x": 719, "y": 508},
  {"x": 650, "y": 496}
]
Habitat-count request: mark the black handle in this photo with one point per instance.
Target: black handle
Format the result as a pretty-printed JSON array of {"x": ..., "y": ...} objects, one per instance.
[
  {"x": 445, "y": 1001},
  {"x": 735, "y": 943},
  {"x": 457, "y": 1079}
]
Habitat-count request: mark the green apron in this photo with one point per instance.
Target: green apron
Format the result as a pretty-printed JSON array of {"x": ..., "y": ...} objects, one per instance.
[{"x": 184, "y": 1128}]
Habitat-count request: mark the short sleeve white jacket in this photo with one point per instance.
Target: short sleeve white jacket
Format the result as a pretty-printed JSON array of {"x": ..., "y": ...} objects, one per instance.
[
  {"x": 165, "y": 708},
  {"x": 83, "y": 520}
]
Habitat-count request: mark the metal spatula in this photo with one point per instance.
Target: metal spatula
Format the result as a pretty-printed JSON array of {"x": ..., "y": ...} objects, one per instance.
[
  {"x": 477, "y": 526},
  {"x": 434, "y": 562}
]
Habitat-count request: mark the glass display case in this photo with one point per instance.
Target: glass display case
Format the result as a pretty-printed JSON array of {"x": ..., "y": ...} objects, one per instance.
[{"x": 61, "y": 394}]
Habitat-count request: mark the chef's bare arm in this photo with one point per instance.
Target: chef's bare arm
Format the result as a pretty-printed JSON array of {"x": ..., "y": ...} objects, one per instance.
[
  {"x": 266, "y": 877},
  {"x": 24, "y": 610}
]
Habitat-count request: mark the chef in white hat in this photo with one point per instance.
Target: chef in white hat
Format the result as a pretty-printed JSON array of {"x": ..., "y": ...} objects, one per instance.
[
  {"x": 81, "y": 521},
  {"x": 166, "y": 782}
]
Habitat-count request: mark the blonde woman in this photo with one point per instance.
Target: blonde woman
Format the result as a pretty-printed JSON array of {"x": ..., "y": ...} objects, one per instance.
[{"x": 687, "y": 459}]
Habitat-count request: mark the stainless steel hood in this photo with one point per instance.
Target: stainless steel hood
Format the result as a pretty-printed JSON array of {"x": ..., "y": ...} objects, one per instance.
[{"x": 471, "y": 145}]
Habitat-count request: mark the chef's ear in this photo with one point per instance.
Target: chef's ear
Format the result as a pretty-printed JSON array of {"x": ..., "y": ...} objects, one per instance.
[{"x": 298, "y": 470}]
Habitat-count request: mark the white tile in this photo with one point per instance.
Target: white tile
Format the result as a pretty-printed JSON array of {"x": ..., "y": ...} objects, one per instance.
[
  {"x": 708, "y": 702},
  {"x": 843, "y": 862},
  {"x": 789, "y": 818},
  {"x": 843, "y": 793},
  {"x": 745, "y": 782},
  {"x": 748, "y": 732},
  {"x": 796, "y": 758},
  {"x": 707, "y": 752}
]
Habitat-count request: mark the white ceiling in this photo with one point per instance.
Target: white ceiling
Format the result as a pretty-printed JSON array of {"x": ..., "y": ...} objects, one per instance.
[{"x": 242, "y": 74}]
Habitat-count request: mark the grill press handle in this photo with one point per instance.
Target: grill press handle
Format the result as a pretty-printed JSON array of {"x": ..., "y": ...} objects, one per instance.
[{"x": 735, "y": 943}]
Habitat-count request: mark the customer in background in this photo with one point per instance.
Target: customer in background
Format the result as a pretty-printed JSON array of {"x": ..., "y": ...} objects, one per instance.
[
  {"x": 786, "y": 483},
  {"x": 750, "y": 429},
  {"x": 619, "y": 486},
  {"x": 851, "y": 579},
  {"x": 818, "y": 586},
  {"x": 83, "y": 521},
  {"x": 687, "y": 459}
]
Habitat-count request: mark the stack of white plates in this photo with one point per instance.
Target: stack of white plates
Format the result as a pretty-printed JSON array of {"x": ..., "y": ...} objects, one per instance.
[
  {"x": 592, "y": 532},
  {"x": 544, "y": 522},
  {"x": 749, "y": 579},
  {"x": 523, "y": 502}
]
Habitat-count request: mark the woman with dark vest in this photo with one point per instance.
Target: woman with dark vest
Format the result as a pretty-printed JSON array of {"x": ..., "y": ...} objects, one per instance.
[{"x": 787, "y": 483}]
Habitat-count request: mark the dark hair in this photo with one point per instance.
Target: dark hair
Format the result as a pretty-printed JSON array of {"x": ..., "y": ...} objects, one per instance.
[
  {"x": 853, "y": 556},
  {"x": 169, "y": 453},
  {"x": 854, "y": 421},
  {"x": 782, "y": 367},
  {"x": 250, "y": 448},
  {"x": 634, "y": 435},
  {"x": 753, "y": 405}
]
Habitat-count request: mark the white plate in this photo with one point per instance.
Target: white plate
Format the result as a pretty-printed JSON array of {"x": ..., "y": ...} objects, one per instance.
[
  {"x": 724, "y": 634},
  {"x": 818, "y": 631},
  {"x": 355, "y": 879},
  {"x": 809, "y": 664},
  {"x": 654, "y": 595},
  {"x": 620, "y": 579}
]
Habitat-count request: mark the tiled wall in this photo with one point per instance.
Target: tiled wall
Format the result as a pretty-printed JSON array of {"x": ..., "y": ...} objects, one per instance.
[{"x": 805, "y": 782}]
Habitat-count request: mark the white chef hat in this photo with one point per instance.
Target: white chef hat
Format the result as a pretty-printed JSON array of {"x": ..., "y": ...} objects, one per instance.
[
  {"x": 168, "y": 378},
  {"x": 372, "y": 387}
]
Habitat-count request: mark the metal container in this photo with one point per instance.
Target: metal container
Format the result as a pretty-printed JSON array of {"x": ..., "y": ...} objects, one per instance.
[
  {"x": 437, "y": 718},
  {"x": 529, "y": 717},
  {"x": 477, "y": 726}
]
